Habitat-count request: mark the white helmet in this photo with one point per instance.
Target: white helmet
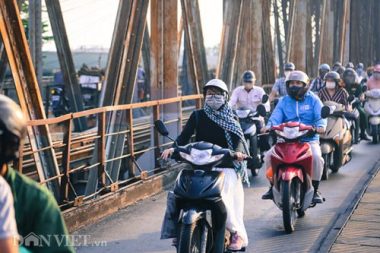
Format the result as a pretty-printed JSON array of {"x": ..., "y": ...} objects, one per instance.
[{"x": 216, "y": 83}]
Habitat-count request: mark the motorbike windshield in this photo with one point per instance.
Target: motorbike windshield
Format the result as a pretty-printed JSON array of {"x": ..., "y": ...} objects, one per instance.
[{"x": 201, "y": 157}]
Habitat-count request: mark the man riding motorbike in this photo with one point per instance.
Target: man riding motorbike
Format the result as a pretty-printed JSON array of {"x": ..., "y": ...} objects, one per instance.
[
  {"x": 302, "y": 106},
  {"x": 250, "y": 96},
  {"x": 318, "y": 82},
  {"x": 351, "y": 84},
  {"x": 279, "y": 87},
  {"x": 374, "y": 80},
  {"x": 226, "y": 132},
  {"x": 36, "y": 208}
]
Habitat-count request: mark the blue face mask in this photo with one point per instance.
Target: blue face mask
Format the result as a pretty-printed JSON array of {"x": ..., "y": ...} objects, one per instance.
[{"x": 215, "y": 101}]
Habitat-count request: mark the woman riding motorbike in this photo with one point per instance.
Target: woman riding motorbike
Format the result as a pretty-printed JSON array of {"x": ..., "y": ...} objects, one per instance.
[{"x": 226, "y": 132}]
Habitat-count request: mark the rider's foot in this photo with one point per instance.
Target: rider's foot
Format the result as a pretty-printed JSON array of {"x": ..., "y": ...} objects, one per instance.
[
  {"x": 317, "y": 198},
  {"x": 174, "y": 242},
  {"x": 364, "y": 136},
  {"x": 268, "y": 194},
  {"x": 236, "y": 242}
]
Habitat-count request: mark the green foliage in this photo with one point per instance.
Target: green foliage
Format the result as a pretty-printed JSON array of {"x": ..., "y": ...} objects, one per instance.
[{"x": 24, "y": 18}]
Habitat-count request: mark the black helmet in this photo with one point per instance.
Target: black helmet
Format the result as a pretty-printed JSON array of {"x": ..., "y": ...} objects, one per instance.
[
  {"x": 12, "y": 129},
  {"x": 333, "y": 75},
  {"x": 289, "y": 66},
  {"x": 350, "y": 77},
  {"x": 297, "y": 93},
  {"x": 249, "y": 76},
  {"x": 323, "y": 69}
]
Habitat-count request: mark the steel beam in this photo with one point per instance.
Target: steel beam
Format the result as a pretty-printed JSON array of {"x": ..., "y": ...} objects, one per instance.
[
  {"x": 35, "y": 36},
  {"x": 72, "y": 88},
  {"x": 195, "y": 43},
  {"x": 297, "y": 38},
  {"x": 123, "y": 85},
  {"x": 268, "y": 55},
  {"x": 326, "y": 52},
  {"x": 16, "y": 46},
  {"x": 229, "y": 41}
]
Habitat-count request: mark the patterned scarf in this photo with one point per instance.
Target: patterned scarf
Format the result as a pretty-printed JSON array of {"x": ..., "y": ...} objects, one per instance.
[{"x": 225, "y": 119}]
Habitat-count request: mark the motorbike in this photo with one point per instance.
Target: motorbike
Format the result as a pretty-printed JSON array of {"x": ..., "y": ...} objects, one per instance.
[
  {"x": 372, "y": 108},
  {"x": 291, "y": 163},
  {"x": 336, "y": 142},
  {"x": 249, "y": 120},
  {"x": 197, "y": 192}
]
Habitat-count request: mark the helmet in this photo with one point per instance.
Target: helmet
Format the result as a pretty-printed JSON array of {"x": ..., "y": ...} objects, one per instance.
[
  {"x": 216, "y": 83},
  {"x": 360, "y": 66},
  {"x": 297, "y": 75},
  {"x": 249, "y": 76},
  {"x": 350, "y": 77},
  {"x": 350, "y": 65},
  {"x": 289, "y": 66},
  {"x": 332, "y": 75},
  {"x": 12, "y": 129},
  {"x": 337, "y": 64},
  {"x": 323, "y": 69}
]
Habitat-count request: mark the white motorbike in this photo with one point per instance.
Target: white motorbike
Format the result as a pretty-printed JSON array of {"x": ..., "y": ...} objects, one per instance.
[{"x": 372, "y": 108}]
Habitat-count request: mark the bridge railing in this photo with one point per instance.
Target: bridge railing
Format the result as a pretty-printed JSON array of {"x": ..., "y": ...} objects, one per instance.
[{"x": 78, "y": 153}]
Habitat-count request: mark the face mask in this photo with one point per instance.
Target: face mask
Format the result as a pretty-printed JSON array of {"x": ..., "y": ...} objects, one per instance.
[
  {"x": 330, "y": 85},
  {"x": 294, "y": 91},
  {"x": 248, "y": 86},
  {"x": 215, "y": 101},
  {"x": 376, "y": 75}
]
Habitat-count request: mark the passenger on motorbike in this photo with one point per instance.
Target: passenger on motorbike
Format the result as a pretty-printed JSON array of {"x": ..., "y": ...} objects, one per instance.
[
  {"x": 374, "y": 80},
  {"x": 250, "y": 96},
  {"x": 334, "y": 91},
  {"x": 215, "y": 123},
  {"x": 303, "y": 106},
  {"x": 279, "y": 87},
  {"x": 353, "y": 87},
  {"x": 318, "y": 83}
]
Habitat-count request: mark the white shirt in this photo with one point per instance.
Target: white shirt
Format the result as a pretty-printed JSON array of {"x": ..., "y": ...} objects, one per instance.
[
  {"x": 242, "y": 98},
  {"x": 8, "y": 227}
]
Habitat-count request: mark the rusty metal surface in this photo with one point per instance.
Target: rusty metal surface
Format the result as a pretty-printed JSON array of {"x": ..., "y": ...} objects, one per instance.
[
  {"x": 28, "y": 92},
  {"x": 72, "y": 88}
]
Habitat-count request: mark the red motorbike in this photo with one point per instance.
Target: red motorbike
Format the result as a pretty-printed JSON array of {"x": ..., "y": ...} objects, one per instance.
[{"x": 291, "y": 172}]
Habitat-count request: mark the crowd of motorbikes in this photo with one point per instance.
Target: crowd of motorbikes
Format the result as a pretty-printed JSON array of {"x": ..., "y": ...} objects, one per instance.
[{"x": 199, "y": 189}]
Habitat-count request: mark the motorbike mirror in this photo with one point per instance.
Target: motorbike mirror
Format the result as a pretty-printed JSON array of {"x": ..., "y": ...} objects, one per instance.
[
  {"x": 261, "y": 110},
  {"x": 325, "y": 112},
  {"x": 364, "y": 88},
  {"x": 265, "y": 98},
  {"x": 161, "y": 128},
  {"x": 351, "y": 98}
]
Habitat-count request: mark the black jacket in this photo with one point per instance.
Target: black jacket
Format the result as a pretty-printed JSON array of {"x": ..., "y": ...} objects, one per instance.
[{"x": 207, "y": 130}]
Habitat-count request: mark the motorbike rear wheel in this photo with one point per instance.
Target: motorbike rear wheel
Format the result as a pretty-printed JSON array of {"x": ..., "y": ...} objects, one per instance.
[
  {"x": 190, "y": 240},
  {"x": 289, "y": 191}
]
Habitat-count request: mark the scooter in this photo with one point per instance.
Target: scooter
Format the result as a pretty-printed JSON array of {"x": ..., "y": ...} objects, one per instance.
[
  {"x": 372, "y": 108},
  {"x": 249, "y": 120},
  {"x": 336, "y": 142},
  {"x": 291, "y": 163},
  {"x": 201, "y": 226}
]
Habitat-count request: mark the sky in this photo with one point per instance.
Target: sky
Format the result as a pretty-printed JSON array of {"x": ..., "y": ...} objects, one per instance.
[{"x": 90, "y": 23}]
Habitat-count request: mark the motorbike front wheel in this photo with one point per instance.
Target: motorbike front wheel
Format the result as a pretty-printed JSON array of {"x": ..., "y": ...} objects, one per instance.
[
  {"x": 190, "y": 240},
  {"x": 375, "y": 134},
  {"x": 290, "y": 190},
  {"x": 326, "y": 166}
]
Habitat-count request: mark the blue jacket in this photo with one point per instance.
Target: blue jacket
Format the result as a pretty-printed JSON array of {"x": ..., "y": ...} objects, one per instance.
[{"x": 307, "y": 111}]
